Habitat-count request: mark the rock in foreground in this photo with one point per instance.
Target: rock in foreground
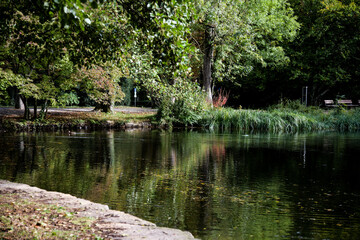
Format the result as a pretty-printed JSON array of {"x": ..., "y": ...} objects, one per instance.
[{"x": 109, "y": 223}]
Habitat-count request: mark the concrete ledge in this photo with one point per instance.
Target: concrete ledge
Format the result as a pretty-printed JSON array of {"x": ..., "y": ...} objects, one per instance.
[{"x": 117, "y": 224}]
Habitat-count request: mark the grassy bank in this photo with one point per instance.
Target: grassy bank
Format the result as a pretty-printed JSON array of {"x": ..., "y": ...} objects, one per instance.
[
  {"x": 281, "y": 119},
  {"x": 62, "y": 120},
  {"x": 291, "y": 117}
]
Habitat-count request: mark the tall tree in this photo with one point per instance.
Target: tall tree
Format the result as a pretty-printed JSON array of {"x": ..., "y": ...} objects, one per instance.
[
  {"x": 37, "y": 50},
  {"x": 152, "y": 33},
  {"x": 162, "y": 28},
  {"x": 101, "y": 83},
  {"x": 240, "y": 34},
  {"x": 45, "y": 43},
  {"x": 325, "y": 54}
]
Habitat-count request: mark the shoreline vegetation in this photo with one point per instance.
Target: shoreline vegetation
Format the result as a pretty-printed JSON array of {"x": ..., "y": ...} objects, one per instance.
[
  {"x": 78, "y": 119},
  {"x": 283, "y": 120},
  {"x": 286, "y": 118}
]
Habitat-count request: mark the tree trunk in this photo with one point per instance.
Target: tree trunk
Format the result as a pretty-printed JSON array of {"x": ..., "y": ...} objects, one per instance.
[
  {"x": 316, "y": 94},
  {"x": 26, "y": 108},
  {"x": 208, "y": 58},
  {"x": 44, "y": 110},
  {"x": 105, "y": 107},
  {"x": 19, "y": 104},
  {"x": 35, "y": 109}
]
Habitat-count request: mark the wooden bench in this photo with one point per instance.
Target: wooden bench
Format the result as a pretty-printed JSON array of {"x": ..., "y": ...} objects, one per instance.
[
  {"x": 347, "y": 103},
  {"x": 330, "y": 103},
  {"x": 344, "y": 103}
]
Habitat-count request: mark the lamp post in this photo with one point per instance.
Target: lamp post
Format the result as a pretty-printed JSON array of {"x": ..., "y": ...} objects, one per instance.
[{"x": 304, "y": 95}]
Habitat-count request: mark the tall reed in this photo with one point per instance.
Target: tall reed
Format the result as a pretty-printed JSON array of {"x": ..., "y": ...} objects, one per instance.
[
  {"x": 344, "y": 120},
  {"x": 280, "y": 120}
]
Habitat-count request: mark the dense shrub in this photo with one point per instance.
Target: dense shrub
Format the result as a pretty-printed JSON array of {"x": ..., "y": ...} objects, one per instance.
[
  {"x": 187, "y": 107},
  {"x": 181, "y": 104}
]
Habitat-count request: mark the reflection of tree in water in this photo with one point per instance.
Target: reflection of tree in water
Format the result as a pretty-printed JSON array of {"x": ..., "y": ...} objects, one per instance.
[
  {"x": 26, "y": 156},
  {"x": 55, "y": 161},
  {"x": 21, "y": 154},
  {"x": 199, "y": 203},
  {"x": 194, "y": 181},
  {"x": 218, "y": 151}
]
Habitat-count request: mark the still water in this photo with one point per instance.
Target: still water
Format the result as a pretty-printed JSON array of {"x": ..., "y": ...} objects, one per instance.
[{"x": 217, "y": 186}]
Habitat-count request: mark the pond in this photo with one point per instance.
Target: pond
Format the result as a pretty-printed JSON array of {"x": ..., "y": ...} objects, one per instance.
[{"x": 215, "y": 185}]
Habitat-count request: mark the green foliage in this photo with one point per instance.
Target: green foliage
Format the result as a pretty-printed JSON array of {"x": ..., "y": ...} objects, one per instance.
[
  {"x": 36, "y": 53},
  {"x": 101, "y": 83},
  {"x": 344, "y": 120},
  {"x": 160, "y": 58},
  {"x": 280, "y": 120},
  {"x": 247, "y": 34},
  {"x": 68, "y": 99},
  {"x": 324, "y": 56},
  {"x": 69, "y": 12},
  {"x": 295, "y": 105},
  {"x": 162, "y": 31},
  {"x": 44, "y": 42},
  {"x": 127, "y": 85},
  {"x": 5, "y": 82},
  {"x": 179, "y": 104},
  {"x": 26, "y": 85}
]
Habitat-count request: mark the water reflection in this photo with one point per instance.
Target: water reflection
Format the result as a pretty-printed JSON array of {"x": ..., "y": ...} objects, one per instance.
[{"x": 228, "y": 186}]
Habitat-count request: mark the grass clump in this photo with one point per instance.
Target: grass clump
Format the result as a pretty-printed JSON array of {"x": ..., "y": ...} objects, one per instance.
[
  {"x": 288, "y": 117},
  {"x": 262, "y": 120},
  {"x": 344, "y": 120}
]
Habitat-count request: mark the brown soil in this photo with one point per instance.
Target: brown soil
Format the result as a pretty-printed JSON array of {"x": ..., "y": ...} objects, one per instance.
[{"x": 28, "y": 212}]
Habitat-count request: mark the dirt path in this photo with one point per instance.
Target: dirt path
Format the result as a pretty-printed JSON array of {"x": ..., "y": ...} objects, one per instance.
[
  {"x": 108, "y": 224},
  {"x": 12, "y": 119}
]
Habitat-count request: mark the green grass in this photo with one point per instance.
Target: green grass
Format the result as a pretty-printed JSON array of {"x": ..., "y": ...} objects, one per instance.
[
  {"x": 288, "y": 117},
  {"x": 75, "y": 120},
  {"x": 281, "y": 120}
]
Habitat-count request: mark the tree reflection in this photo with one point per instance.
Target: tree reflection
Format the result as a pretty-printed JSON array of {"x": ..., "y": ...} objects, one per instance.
[{"x": 215, "y": 185}]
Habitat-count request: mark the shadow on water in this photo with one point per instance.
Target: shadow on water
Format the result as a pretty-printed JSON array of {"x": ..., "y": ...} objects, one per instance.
[{"x": 216, "y": 185}]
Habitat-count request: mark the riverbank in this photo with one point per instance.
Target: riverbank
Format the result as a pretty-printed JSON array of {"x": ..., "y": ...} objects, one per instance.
[
  {"x": 276, "y": 119},
  {"x": 282, "y": 119},
  {"x": 11, "y": 119},
  {"x": 31, "y": 213}
]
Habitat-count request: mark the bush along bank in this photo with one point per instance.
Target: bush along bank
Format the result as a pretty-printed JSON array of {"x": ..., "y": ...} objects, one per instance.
[{"x": 281, "y": 120}]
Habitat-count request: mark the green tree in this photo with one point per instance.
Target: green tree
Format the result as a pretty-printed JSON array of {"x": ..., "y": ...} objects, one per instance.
[
  {"x": 238, "y": 35},
  {"x": 41, "y": 46},
  {"x": 152, "y": 33},
  {"x": 161, "y": 41},
  {"x": 37, "y": 51},
  {"x": 161, "y": 55},
  {"x": 101, "y": 83},
  {"x": 325, "y": 54}
]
